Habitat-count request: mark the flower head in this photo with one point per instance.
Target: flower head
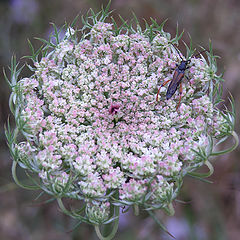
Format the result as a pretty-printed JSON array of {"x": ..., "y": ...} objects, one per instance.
[{"x": 94, "y": 129}]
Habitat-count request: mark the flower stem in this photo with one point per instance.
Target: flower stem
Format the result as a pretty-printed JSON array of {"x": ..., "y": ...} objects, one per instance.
[
  {"x": 114, "y": 212},
  {"x": 14, "y": 175},
  {"x": 235, "y": 136},
  {"x": 136, "y": 209},
  {"x": 203, "y": 175},
  {"x": 114, "y": 229},
  {"x": 171, "y": 210}
]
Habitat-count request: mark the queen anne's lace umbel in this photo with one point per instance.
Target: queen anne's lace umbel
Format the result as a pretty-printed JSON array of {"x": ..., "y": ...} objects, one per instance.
[{"x": 94, "y": 130}]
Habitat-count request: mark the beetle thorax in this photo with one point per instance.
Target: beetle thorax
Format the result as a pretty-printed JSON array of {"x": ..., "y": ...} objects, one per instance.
[{"x": 183, "y": 65}]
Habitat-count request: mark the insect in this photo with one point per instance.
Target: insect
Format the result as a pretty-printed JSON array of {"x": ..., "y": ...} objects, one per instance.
[{"x": 178, "y": 75}]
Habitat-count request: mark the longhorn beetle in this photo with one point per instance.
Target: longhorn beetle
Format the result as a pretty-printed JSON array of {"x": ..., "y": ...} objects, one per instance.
[{"x": 177, "y": 78}]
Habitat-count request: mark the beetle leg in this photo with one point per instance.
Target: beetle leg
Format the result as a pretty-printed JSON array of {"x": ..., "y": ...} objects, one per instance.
[
  {"x": 180, "y": 92},
  {"x": 160, "y": 88}
]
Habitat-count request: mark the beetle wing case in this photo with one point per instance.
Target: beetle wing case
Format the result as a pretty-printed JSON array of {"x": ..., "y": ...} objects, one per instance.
[{"x": 172, "y": 88}]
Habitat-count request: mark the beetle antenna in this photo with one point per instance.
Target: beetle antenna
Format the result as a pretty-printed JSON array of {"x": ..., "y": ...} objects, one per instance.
[
  {"x": 199, "y": 53},
  {"x": 178, "y": 52}
]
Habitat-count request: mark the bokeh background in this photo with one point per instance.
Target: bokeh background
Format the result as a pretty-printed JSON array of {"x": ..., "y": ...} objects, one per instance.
[{"x": 209, "y": 211}]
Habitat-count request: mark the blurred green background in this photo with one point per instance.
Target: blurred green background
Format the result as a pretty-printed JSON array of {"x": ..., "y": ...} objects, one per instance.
[{"x": 210, "y": 211}]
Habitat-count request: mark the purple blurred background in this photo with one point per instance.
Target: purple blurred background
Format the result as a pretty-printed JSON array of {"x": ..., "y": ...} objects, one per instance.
[{"x": 210, "y": 211}]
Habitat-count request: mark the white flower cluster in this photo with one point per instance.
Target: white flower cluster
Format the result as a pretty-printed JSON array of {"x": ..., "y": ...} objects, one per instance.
[
  {"x": 98, "y": 212},
  {"x": 93, "y": 124}
]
